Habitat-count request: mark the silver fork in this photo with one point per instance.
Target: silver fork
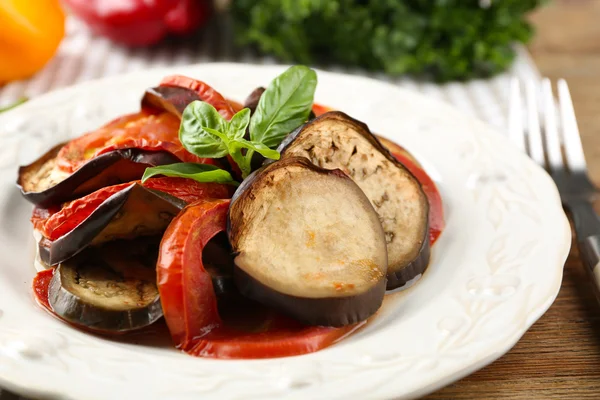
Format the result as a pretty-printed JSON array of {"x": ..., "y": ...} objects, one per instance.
[{"x": 554, "y": 143}]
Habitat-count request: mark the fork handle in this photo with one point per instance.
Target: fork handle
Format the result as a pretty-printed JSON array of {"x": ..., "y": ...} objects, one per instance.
[{"x": 587, "y": 228}]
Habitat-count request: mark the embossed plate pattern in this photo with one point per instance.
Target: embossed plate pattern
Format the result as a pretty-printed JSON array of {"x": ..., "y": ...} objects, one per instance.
[{"x": 495, "y": 270}]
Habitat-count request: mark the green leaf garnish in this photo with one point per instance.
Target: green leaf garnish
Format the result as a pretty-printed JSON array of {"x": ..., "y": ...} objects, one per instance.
[
  {"x": 239, "y": 123},
  {"x": 197, "y": 116},
  {"x": 198, "y": 172},
  {"x": 264, "y": 150},
  {"x": 284, "y": 106}
]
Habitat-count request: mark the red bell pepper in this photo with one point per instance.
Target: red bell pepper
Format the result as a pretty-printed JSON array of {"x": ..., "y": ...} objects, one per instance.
[{"x": 141, "y": 22}]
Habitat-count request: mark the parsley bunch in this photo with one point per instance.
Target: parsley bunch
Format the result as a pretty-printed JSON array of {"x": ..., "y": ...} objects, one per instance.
[{"x": 439, "y": 39}]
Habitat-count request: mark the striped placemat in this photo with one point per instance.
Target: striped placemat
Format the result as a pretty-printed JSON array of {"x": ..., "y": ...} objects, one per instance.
[{"x": 82, "y": 57}]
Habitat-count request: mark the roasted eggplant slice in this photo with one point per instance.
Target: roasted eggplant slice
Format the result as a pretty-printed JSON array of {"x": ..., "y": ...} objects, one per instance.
[
  {"x": 308, "y": 241},
  {"x": 334, "y": 140},
  {"x": 132, "y": 212},
  {"x": 110, "y": 288},
  {"x": 43, "y": 184},
  {"x": 172, "y": 99}
]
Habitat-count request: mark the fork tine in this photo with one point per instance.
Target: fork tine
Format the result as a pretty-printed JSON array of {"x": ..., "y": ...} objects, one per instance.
[
  {"x": 554, "y": 153},
  {"x": 534, "y": 134},
  {"x": 516, "y": 130},
  {"x": 570, "y": 131}
]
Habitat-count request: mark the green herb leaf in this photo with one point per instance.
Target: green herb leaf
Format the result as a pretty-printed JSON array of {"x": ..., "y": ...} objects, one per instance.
[
  {"x": 239, "y": 123},
  {"x": 259, "y": 148},
  {"x": 13, "y": 105},
  {"x": 284, "y": 106},
  {"x": 199, "y": 123},
  {"x": 243, "y": 162},
  {"x": 198, "y": 172}
]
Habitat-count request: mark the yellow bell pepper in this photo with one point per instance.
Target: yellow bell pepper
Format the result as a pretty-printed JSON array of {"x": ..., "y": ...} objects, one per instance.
[{"x": 30, "y": 32}]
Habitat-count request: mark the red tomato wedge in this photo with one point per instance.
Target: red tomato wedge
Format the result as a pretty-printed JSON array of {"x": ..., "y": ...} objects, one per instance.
[
  {"x": 190, "y": 304},
  {"x": 205, "y": 92},
  {"x": 76, "y": 211},
  {"x": 143, "y": 131},
  {"x": 436, "y": 208}
]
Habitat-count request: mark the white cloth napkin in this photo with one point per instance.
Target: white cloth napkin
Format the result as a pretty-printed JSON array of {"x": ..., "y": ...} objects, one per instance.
[{"x": 82, "y": 57}]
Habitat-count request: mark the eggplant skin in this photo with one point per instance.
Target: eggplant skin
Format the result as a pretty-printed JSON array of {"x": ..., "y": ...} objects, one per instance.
[
  {"x": 332, "y": 311},
  {"x": 335, "y": 140},
  {"x": 108, "y": 169},
  {"x": 110, "y": 214},
  {"x": 110, "y": 289},
  {"x": 172, "y": 99},
  {"x": 308, "y": 242},
  {"x": 253, "y": 98}
]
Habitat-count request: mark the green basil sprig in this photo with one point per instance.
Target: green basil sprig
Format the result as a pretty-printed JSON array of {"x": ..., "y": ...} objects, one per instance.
[
  {"x": 205, "y": 133},
  {"x": 197, "y": 172},
  {"x": 284, "y": 106}
]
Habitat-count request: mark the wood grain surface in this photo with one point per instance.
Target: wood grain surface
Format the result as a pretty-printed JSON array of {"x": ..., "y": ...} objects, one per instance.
[{"x": 559, "y": 357}]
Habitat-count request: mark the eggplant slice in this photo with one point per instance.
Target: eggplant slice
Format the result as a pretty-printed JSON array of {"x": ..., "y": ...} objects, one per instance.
[
  {"x": 110, "y": 288},
  {"x": 132, "y": 212},
  {"x": 172, "y": 99},
  {"x": 43, "y": 184},
  {"x": 335, "y": 140},
  {"x": 308, "y": 242}
]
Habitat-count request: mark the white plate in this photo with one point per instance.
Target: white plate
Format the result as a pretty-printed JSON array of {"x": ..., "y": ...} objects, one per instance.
[{"x": 495, "y": 270}]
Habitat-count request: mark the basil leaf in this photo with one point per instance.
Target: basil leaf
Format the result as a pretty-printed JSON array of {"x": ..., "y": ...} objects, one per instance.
[
  {"x": 239, "y": 123},
  {"x": 284, "y": 106},
  {"x": 197, "y": 172},
  {"x": 259, "y": 148},
  {"x": 196, "y": 133},
  {"x": 235, "y": 151}
]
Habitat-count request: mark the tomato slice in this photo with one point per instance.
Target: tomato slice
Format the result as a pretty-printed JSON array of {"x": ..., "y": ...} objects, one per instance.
[
  {"x": 39, "y": 216},
  {"x": 237, "y": 107},
  {"x": 185, "y": 287},
  {"x": 143, "y": 131},
  {"x": 40, "y": 287},
  {"x": 205, "y": 92},
  {"x": 190, "y": 304},
  {"x": 283, "y": 338},
  {"x": 319, "y": 109},
  {"x": 76, "y": 211},
  {"x": 436, "y": 208}
]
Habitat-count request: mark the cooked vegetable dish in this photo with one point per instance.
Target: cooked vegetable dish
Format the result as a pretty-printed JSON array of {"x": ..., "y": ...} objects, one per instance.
[{"x": 268, "y": 229}]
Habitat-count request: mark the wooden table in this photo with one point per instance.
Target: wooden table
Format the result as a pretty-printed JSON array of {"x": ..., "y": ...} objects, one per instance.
[{"x": 559, "y": 357}]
